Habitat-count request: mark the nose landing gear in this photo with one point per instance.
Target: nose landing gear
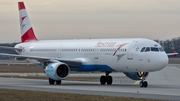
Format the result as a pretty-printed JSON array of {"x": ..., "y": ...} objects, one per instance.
[
  {"x": 143, "y": 83},
  {"x": 106, "y": 79}
]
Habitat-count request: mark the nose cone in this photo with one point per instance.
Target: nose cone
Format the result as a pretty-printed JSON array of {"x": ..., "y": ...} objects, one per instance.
[{"x": 161, "y": 60}]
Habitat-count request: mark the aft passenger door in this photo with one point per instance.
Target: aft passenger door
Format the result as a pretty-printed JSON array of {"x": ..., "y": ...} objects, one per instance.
[
  {"x": 95, "y": 53},
  {"x": 130, "y": 51},
  {"x": 59, "y": 51}
]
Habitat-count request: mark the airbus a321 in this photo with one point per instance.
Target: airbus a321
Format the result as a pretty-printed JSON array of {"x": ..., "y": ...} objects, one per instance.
[{"x": 135, "y": 57}]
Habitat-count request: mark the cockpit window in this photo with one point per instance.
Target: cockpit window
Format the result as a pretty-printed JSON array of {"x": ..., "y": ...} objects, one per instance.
[
  {"x": 147, "y": 49},
  {"x": 154, "y": 49},
  {"x": 161, "y": 49},
  {"x": 142, "y": 50}
]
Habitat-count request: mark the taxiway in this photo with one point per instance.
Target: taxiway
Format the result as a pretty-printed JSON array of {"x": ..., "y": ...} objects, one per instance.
[{"x": 163, "y": 84}]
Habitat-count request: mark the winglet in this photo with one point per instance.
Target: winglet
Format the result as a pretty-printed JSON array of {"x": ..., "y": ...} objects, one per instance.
[
  {"x": 175, "y": 53},
  {"x": 27, "y": 33}
]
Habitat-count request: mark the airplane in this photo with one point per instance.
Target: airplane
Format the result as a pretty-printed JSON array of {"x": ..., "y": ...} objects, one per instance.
[{"x": 135, "y": 57}]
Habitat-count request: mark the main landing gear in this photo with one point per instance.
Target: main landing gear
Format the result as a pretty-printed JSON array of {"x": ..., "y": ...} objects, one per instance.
[
  {"x": 106, "y": 79},
  {"x": 51, "y": 82}
]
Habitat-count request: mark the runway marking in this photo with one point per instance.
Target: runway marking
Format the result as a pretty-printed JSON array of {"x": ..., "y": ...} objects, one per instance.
[
  {"x": 178, "y": 68},
  {"x": 137, "y": 82}
]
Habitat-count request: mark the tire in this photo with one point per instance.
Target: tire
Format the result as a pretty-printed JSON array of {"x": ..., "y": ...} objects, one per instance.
[
  {"x": 109, "y": 80},
  {"x": 51, "y": 81},
  {"x": 141, "y": 84},
  {"x": 103, "y": 80},
  {"x": 58, "y": 82},
  {"x": 145, "y": 83}
]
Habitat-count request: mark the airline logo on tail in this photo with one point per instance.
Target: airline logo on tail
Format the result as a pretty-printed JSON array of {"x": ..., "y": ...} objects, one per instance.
[
  {"x": 27, "y": 33},
  {"x": 22, "y": 19}
]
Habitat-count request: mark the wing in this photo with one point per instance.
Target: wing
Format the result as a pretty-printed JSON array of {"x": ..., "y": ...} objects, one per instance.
[
  {"x": 10, "y": 48},
  {"x": 175, "y": 53},
  {"x": 70, "y": 62}
]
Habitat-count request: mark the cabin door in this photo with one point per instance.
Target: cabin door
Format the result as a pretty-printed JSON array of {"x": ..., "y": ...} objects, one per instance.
[
  {"x": 95, "y": 53},
  {"x": 131, "y": 49},
  {"x": 59, "y": 51}
]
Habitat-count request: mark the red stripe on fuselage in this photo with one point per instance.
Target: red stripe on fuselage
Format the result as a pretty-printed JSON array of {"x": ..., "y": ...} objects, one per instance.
[
  {"x": 28, "y": 36},
  {"x": 119, "y": 48},
  {"x": 21, "y": 5}
]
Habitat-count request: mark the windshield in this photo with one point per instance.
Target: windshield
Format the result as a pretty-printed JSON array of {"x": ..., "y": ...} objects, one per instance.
[{"x": 153, "y": 49}]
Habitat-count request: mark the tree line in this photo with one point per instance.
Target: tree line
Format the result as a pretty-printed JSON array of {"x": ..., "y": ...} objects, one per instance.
[{"x": 170, "y": 45}]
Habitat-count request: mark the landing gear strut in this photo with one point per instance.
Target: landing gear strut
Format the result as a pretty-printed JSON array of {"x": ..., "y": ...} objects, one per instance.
[
  {"x": 51, "y": 82},
  {"x": 106, "y": 79}
]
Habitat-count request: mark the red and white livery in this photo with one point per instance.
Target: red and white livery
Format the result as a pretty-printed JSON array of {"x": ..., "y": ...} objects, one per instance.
[
  {"x": 135, "y": 57},
  {"x": 27, "y": 33}
]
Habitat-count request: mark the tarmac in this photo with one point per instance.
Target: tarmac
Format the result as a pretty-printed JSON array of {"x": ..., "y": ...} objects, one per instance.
[{"x": 163, "y": 84}]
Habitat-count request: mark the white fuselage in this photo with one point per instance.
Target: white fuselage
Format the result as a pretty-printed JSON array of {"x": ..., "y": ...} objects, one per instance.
[{"x": 123, "y": 55}]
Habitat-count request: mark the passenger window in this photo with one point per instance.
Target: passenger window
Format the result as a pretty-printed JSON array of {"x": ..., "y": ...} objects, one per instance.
[
  {"x": 142, "y": 50},
  {"x": 147, "y": 49},
  {"x": 154, "y": 49}
]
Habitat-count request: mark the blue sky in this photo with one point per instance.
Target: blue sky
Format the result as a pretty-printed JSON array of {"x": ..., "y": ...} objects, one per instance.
[{"x": 77, "y": 19}]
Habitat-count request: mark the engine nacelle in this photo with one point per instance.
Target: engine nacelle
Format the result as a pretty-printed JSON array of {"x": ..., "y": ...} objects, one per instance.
[
  {"x": 57, "y": 71},
  {"x": 136, "y": 75}
]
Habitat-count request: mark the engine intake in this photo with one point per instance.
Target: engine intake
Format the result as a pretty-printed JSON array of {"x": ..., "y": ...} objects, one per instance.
[
  {"x": 62, "y": 70},
  {"x": 57, "y": 71}
]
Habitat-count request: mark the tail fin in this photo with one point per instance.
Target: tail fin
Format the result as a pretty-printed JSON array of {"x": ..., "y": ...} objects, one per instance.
[{"x": 27, "y": 33}]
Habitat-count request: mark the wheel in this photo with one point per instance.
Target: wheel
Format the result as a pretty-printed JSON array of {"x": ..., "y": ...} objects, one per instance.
[
  {"x": 103, "y": 80},
  {"x": 58, "y": 82},
  {"x": 51, "y": 81},
  {"x": 141, "y": 84},
  {"x": 109, "y": 80},
  {"x": 145, "y": 83}
]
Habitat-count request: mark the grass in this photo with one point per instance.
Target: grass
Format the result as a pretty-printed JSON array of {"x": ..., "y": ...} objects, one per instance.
[
  {"x": 34, "y": 69},
  {"x": 23, "y": 95},
  {"x": 174, "y": 61},
  {"x": 93, "y": 79},
  {"x": 17, "y": 68}
]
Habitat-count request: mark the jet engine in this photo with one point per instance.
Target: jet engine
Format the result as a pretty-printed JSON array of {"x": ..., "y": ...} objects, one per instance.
[
  {"x": 136, "y": 75},
  {"x": 57, "y": 71}
]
